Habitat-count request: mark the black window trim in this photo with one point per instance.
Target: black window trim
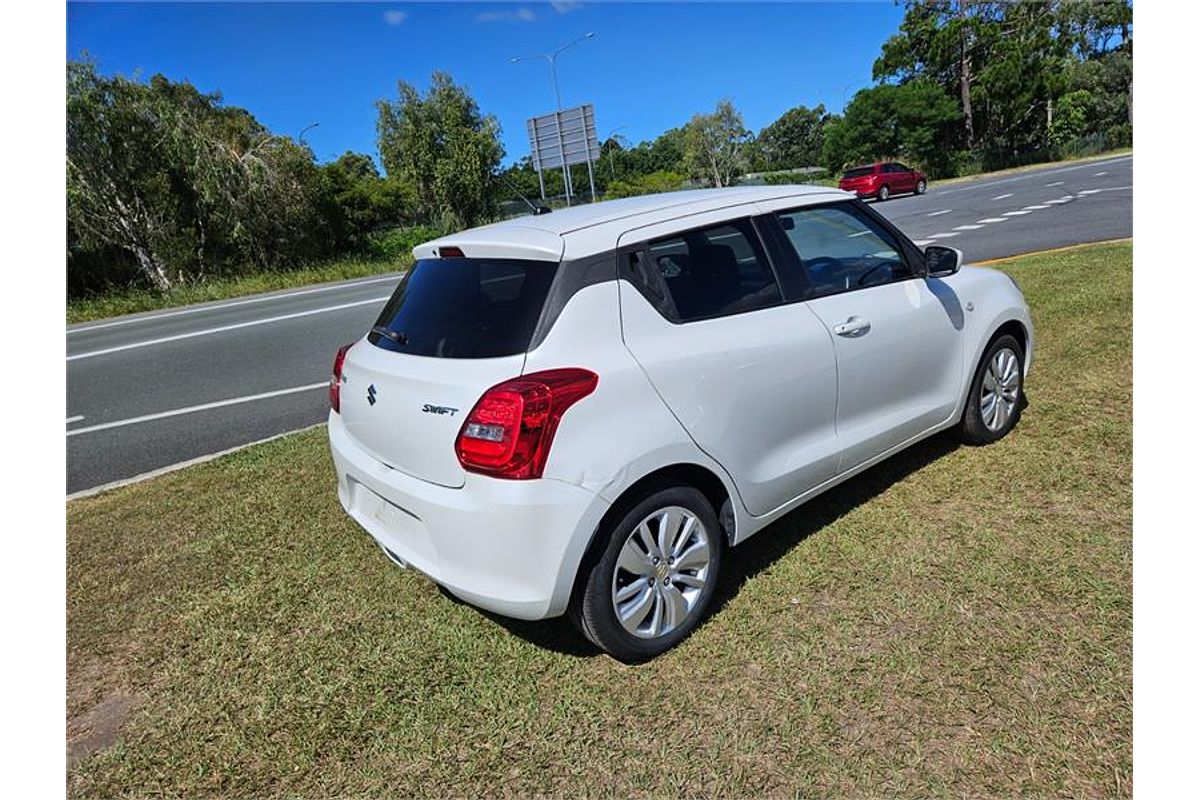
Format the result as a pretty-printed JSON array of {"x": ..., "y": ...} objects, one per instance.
[
  {"x": 659, "y": 296},
  {"x": 912, "y": 257}
]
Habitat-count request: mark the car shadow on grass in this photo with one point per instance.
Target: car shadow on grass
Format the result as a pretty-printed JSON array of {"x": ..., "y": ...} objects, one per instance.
[{"x": 761, "y": 550}]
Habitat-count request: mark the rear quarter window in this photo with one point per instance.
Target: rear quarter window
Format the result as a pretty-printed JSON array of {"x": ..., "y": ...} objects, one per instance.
[
  {"x": 465, "y": 308},
  {"x": 858, "y": 172}
]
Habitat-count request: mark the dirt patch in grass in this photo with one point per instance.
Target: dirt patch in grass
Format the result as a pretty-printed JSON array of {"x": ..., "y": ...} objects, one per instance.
[
  {"x": 955, "y": 622},
  {"x": 97, "y": 728}
]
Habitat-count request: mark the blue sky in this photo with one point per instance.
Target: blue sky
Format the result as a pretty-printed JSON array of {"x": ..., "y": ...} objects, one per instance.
[{"x": 649, "y": 67}]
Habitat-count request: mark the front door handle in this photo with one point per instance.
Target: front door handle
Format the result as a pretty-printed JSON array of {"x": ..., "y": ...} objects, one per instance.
[{"x": 855, "y": 326}]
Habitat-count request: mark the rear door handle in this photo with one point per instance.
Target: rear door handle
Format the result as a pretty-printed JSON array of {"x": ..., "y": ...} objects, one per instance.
[{"x": 855, "y": 326}]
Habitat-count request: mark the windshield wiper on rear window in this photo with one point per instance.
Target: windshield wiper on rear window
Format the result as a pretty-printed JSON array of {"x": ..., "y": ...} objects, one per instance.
[{"x": 398, "y": 338}]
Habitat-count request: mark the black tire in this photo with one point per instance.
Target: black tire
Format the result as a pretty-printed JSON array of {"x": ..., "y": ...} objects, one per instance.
[
  {"x": 883, "y": 194},
  {"x": 921, "y": 186},
  {"x": 592, "y": 604},
  {"x": 974, "y": 429}
]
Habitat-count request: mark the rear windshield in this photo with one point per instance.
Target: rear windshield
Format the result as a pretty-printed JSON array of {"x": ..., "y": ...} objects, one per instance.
[
  {"x": 465, "y": 308},
  {"x": 858, "y": 172}
]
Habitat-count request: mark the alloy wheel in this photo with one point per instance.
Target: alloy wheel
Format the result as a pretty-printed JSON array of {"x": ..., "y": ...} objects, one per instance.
[
  {"x": 661, "y": 572},
  {"x": 1001, "y": 386}
]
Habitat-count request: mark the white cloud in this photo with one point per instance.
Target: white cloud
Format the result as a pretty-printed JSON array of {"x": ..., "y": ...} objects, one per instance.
[
  {"x": 563, "y": 6},
  {"x": 520, "y": 15},
  {"x": 395, "y": 17}
]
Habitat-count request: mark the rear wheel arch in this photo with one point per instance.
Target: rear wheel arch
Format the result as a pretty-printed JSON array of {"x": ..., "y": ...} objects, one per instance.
[{"x": 696, "y": 476}]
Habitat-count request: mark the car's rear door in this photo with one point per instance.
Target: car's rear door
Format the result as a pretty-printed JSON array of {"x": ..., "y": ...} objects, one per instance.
[
  {"x": 897, "y": 335},
  {"x": 749, "y": 375}
]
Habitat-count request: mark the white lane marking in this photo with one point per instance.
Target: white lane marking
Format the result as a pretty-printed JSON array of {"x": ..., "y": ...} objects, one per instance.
[
  {"x": 1001, "y": 197},
  {"x": 1033, "y": 175},
  {"x": 923, "y": 242},
  {"x": 942, "y": 235},
  {"x": 1034, "y": 208},
  {"x": 968, "y": 227},
  {"x": 1090, "y": 191},
  {"x": 1056, "y": 183},
  {"x": 939, "y": 213},
  {"x": 193, "y": 409},
  {"x": 224, "y": 328},
  {"x": 76, "y": 418},
  {"x": 1016, "y": 213},
  {"x": 200, "y": 309},
  {"x": 190, "y": 462},
  {"x": 1112, "y": 189},
  {"x": 990, "y": 220},
  {"x": 1061, "y": 200},
  {"x": 1098, "y": 174}
]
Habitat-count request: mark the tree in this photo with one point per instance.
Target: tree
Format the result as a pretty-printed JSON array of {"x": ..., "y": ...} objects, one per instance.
[
  {"x": 794, "y": 140},
  {"x": 443, "y": 146},
  {"x": 644, "y": 184},
  {"x": 178, "y": 181},
  {"x": 911, "y": 121},
  {"x": 357, "y": 201},
  {"x": 715, "y": 145},
  {"x": 1007, "y": 64}
]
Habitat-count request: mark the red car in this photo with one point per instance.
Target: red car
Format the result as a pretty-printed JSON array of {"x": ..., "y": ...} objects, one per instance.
[{"x": 882, "y": 180}]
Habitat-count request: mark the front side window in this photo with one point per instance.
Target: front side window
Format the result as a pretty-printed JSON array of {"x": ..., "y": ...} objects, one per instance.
[
  {"x": 842, "y": 249},
  {"x": 716, "y": 271}
]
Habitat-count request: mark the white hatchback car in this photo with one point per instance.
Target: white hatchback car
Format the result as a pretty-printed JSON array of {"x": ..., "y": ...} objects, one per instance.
[{"x": 578, "y": 412}]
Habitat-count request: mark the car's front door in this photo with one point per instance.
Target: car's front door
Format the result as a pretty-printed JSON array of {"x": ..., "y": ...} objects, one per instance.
[
  {"x": 897, "y": 335},
  {"x": 750, "y": 376}
]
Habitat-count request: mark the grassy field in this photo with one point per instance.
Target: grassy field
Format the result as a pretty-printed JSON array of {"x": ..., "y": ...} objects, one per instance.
[
  {"x": 132, "y": 301},
  {"x": 955, "y": 622}
]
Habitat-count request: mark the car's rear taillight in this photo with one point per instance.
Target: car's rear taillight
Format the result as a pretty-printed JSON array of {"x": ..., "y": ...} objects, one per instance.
[
  {"x": 509, "y": 431},
  {"x": 335, "y": 380}
]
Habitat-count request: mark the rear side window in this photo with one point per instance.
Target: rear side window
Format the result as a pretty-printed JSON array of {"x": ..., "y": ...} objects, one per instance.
[
  {"x": 841, "y": 249},
  {"x": 858, "y": 172},
  {"x": 712, "y": 272},
  {"x": 465, "y": 308}
]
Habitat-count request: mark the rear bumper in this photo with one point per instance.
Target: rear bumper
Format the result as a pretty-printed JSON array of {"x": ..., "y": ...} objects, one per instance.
[{"x": 512, "y": 547}]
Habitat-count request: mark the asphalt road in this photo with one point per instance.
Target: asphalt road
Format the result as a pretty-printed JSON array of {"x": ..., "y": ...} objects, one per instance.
[{"x": 149, "y": 391}]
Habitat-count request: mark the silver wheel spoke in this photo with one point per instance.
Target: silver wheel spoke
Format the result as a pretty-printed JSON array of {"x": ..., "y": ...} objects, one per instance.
[
  {"x": 633, "y": 560},
  {"x": 643, "y": 531},
  {"x": 675, "y": 606},
  {"x": 685, "y": 533},
  {"x": 667, "y": 526},
  {"x": 656, "y": 618},
  {"x": 631, "y": 590},
  {"x": 694, "y": 557},
  {"x": 633, "y": 614},
  {"x": 690, "y": 580}
]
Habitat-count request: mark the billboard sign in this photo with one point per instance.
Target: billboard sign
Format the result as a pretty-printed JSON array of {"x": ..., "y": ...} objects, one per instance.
[{"x": 562, "y": 139}]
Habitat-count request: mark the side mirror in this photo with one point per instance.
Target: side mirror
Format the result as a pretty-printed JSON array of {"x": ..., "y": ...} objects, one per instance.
[{"x": 942, "y": 262}]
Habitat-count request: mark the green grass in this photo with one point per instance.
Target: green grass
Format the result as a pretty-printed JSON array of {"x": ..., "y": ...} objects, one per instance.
[
  {"x": 131, "y": 301},
  {"x": 954, "y": 622}
]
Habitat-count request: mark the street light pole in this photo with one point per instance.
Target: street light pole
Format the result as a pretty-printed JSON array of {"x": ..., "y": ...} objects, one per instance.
[
  {"x": 552, "y": 58},
  {"x": 306, "y": 130}
]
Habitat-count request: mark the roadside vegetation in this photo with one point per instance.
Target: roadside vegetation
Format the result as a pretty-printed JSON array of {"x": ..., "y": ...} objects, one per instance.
[
  {"x": 172, "y": 193},
  {"x": 135, "y": 299},
  {"x": 954, "y": 622}
]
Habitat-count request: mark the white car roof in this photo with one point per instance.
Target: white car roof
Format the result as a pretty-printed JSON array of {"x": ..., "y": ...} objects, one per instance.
[{"x": 585, "y": 230}]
